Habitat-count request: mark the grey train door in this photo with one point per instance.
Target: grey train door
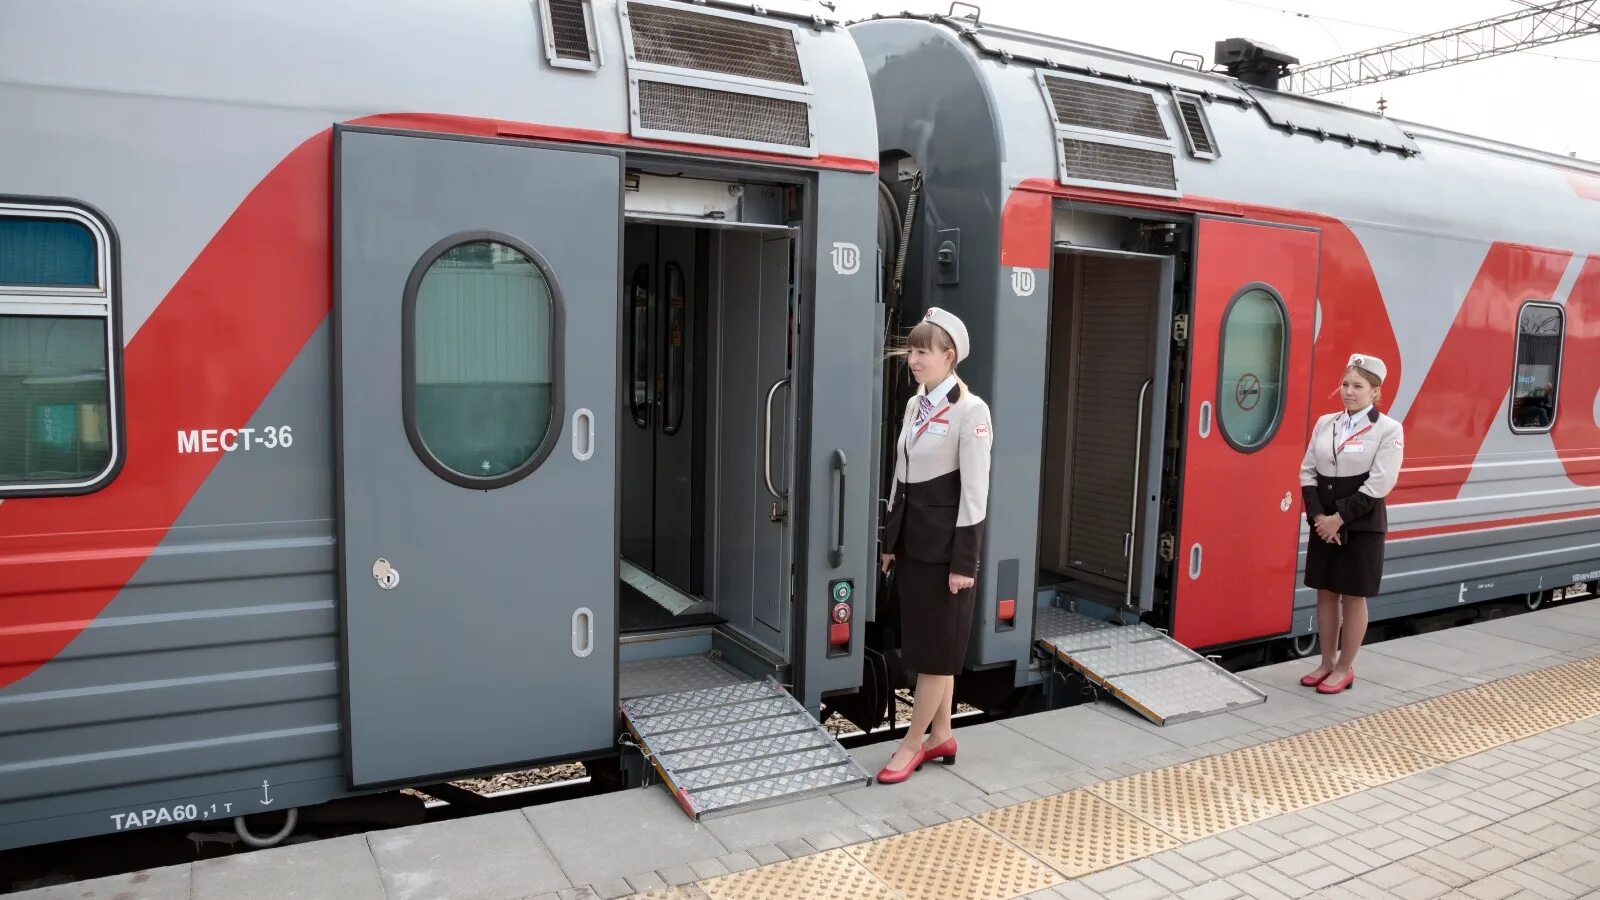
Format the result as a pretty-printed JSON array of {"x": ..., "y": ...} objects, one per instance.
[
  {"x": 476, "y": 309},
  {"x": 663, "y": 453}
]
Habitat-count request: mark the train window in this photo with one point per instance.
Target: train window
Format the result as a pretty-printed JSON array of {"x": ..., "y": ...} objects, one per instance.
[
  {"x": 482, "y": 328},
  {"x": 1540, "y": 328},
  {"x": 1251, "y": 368},
  {"x": 58, "y": 412}
]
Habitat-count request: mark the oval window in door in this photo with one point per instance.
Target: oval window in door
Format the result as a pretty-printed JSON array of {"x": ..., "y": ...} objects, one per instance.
[
  {"x": 1252, "y": 362},
  {"x": 481, "y": 349}
]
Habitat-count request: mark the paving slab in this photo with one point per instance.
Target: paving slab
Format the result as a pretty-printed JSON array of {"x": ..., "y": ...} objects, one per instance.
[
  {"x": 1530, "y": 629},
  {"x": 789, "y": 821},
  {"x": 1283, "y": 706},
  {"x": 934, "y": 786},
  {"x": 622, "y": 833},
  {"x": 1191, "y": 733},
  {"x": 995, "y": 758},
  {"x": 1570, "y": 618},
  {"x": 485, "y": 857},
  {"x": 340, "y": 867},
  {"x": 149, "y": 884},
  {"x": 1090, "y": 736},
  {"x": 1460, "y": 651}
]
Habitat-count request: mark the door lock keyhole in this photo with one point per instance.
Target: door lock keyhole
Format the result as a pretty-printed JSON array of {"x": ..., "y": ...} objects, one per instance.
[{"x": 387, "y": 576}]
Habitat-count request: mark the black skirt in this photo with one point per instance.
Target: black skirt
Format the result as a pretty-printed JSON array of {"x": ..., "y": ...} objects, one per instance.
[
  {"x": 1353, "y": 569},
  {"x": 934, "y": 623}
]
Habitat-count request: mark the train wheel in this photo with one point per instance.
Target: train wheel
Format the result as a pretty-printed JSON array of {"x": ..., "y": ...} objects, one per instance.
[
  {"x": 1302, "y": 646},
  {"x": 243, "y": 830}
]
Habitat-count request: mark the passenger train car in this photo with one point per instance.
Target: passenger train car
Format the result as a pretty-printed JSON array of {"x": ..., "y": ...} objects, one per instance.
[
  {"x": 1164, "y": 272},
  {"x": 378, "y": 381}
]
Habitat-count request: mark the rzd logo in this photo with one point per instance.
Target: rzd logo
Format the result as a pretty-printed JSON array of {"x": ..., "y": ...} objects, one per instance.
[
  {"x": 1022, "y": 282},
  {"x": 846, "y": 258}
]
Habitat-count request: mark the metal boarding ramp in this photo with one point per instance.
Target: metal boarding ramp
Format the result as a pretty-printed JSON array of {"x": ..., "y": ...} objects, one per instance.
[
  {"x": 1156, "y": 676},
  {"x": 724, "y": 743}
]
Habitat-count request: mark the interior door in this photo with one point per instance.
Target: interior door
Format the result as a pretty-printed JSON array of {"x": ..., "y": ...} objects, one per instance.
[
  {"x": 1252, "y": 325},
  {"x": 476, "y": 310}
]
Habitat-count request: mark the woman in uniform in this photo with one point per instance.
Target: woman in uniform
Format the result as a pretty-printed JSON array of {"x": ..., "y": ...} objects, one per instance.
[
  {"x": 1351, "y": 464},
  {"x": 937, "y": 504}
]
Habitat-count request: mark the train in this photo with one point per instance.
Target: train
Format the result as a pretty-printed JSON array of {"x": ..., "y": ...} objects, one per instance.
[{"x": 388, "y": 388}]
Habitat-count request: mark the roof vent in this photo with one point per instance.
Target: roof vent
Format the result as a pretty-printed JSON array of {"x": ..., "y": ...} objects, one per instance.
[
  {"x": 1253, "y": 62},
  {"x": 569, "y": 34},
  {"x": 1116, "y": 165},
  {"x": 688, "y": 39},
  {"x": 717, "y": 77},
  {"x": 1080, "y": 103},
  {"x": 1196, "y": 127},
  {"x": 669, "y": 108}
]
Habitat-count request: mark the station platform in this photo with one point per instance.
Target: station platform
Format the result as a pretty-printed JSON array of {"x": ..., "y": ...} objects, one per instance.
[{"x": 1464, "y": 763}]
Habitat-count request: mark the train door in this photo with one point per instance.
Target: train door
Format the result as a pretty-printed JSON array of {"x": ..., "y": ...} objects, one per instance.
[
  {"x": 1252, "y": 324},
  {"x": 476, "y": 315},
  {"x": 707, "y": 423},
  {"x": 663, "y": 447}
]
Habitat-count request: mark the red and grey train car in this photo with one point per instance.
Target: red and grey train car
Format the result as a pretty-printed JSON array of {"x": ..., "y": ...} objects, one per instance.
[
  {"x": 1164, "y": 271},
  {"x": 342, "y": 346},
  {"x": 377, "y": 380}
]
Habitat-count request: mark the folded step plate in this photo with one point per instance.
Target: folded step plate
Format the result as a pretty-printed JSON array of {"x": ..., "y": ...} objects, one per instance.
[
  {"x": 1153, "y": 674},
  {"x": 738, "y": 747}
]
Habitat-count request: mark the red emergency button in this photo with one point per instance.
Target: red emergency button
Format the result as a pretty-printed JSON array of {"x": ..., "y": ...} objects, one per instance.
[{"x": 1007, "y": 610}]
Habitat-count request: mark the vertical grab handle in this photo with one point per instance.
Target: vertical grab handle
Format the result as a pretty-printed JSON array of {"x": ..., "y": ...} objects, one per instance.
[
  {"x": 583, "y": 435},
  {"x": 766, "y": 452},
  {"x": 582, "y": 632},
  {"x": 836, "y": 550},
  {"x": 1133, "y": 514}
]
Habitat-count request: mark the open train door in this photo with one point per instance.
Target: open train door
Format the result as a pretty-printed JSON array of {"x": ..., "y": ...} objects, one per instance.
[
  {"x": 1252, "y": 324},
  {"x": 476, "y": 314}
]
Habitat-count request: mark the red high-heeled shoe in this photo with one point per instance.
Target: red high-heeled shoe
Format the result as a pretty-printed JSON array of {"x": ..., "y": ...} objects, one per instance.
[
  {"x": 887, "y": 775},
  {"x": 1313, "y": 680},
  {"x": 1328, "y": 687},
  {"x": 945, "y": 752}
]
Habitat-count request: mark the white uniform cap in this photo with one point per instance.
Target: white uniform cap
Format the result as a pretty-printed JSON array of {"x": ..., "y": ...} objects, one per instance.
[
  {"x": 953, "y": 327},
  {"x": 1371, "y": 364}
]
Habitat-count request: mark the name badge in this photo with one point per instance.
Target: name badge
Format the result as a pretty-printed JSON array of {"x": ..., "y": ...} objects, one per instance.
[
  {"x": 939, "y": 428},
  {"x": 1355, "y": 447}
]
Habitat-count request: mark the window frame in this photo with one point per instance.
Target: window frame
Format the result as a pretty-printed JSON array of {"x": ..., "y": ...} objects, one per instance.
[
  {"x": 1516, "y": 363},
  {"x": 408, "y": 361},
  {"x": 1224, "y": 390},
  {"x": 103, "y": 301}
]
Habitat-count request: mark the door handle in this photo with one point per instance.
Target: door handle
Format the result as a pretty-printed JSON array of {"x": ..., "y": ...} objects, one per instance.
[
  {"x": 836, "y": 552},
  {"x": 766, "y": 453},
  {"x": 583, "y": 435}
]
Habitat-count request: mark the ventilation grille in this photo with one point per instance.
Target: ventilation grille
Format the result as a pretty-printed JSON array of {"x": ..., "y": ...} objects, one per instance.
[
  {"x": 1085, "y": 104},
  {"x": 1196, "y": 129},
  {"x": 691, "y": 40},
  {"x": 1089, "y": 161},
  {"x": 664, "y": 106},
  {"x": 569, "y": 29}
]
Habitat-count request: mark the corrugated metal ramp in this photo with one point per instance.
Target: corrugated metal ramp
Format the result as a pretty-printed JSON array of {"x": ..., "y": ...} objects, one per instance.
[
  {"x": 737, "y": 747},
  {"x": 1158, "y": 677}
]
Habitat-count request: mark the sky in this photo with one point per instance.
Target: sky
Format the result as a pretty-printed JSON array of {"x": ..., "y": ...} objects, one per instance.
[{"x": 1543, "y": 98}]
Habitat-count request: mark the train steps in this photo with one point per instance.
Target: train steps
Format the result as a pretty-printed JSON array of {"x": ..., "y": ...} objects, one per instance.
[
  {"x": 736, "y": 747},
  {"x": 1156, "y": 676}
]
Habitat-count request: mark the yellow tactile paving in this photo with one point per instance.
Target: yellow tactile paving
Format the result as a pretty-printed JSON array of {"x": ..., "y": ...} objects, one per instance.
[
  {"x": 1183, "y": 803},
  {"x": 833, "y": 875},
  {"x": 1495, "y": 712},
  {"x": 959, "y": 860},
  {"x": 1115, "y": 822},
  {"x": 1277, "y": 779},
  {"x": 1356, "y": 754},
  {"x": 1436, "y": 736},
  {"x": 1077, "y": 832}
]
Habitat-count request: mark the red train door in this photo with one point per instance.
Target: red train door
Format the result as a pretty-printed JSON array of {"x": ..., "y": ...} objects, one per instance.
[{"x": 1252, "y": 325}]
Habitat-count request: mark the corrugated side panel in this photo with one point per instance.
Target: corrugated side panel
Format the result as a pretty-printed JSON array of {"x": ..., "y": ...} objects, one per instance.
[{"x": 215, "y": 672}]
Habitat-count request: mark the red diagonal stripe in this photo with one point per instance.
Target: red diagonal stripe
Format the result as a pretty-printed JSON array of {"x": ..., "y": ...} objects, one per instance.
[{"x": 206, "y": 358}]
